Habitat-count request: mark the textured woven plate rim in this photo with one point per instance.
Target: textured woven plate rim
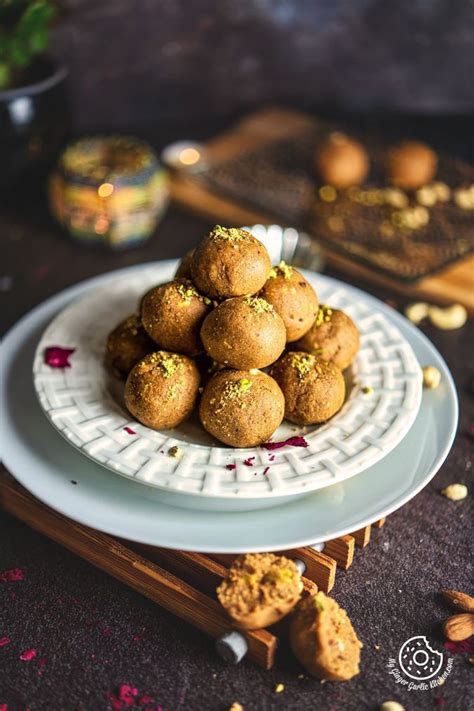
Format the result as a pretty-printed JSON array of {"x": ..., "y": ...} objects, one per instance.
[
  {"x": 288, "y": 491},
  {"x": 285, "y": 491}
]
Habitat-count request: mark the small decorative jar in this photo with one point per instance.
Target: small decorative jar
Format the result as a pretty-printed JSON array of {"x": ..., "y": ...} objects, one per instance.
[{"x": 109, "y": 190}]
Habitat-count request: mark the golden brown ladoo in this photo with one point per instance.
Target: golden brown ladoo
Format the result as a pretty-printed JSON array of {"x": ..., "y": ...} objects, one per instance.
[
  {"x": 184, "y": 267},
  {"x": 341, "y": 161},
  {"x": 314, "y": 390},
  {"x": 260, "y": 589},
  {"x": 126, "y": 345},
  {"x": 241, "y": 408},
  {"x": 333, "y": 336},
  {"x": 323, "y": 639},
  {"x": 293, "y": 298},
  {"x": 161, "y": 389},
  {"x": 173, "y": 313},
  {"x": 230, "y": 262},
  {"x": 411, "y": 165},
  {"x": 244, "y": 333}
]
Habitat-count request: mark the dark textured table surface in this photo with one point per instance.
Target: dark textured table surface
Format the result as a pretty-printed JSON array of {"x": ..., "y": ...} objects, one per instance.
[{"x": 92, "y": 633}]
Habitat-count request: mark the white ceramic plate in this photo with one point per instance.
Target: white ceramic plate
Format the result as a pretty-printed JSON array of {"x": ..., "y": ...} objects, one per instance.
[
  {"x": 45, "y": 464},
  {"x": 79, "y": 403}
]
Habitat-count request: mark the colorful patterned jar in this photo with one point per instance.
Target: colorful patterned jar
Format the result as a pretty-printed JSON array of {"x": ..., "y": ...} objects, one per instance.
[{"x": 109, "y": 190}]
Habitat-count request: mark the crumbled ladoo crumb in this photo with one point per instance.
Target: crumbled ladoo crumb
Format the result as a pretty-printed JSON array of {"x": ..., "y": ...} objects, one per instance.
[
  {"x": 324, "y": 314},
  {"x": 455, "y": 492},
  {"x": 229, "y": 234},
  {"x": 279, "y": 688},
  {"x": 259, "y": 305},
  {"x": 236, "y": 706},
  {"x": 175, "y": 452},
  {"x": 303, "y": 363},
  {"x": 431, "y": 377},
  {"x": 188, "y": 291},
  {"x": 167, "y": 363},
  {"x": 281, "y": 270}
]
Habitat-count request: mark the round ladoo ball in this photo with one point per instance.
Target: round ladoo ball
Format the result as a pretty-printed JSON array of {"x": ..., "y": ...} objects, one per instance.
[
  {"x": 293, "y": 298},
  {"x": 126, "y": 345},
  {"x": 241, "y": 408},
  {"x": 323, "y": 639},
  {"x": 333, "y": 336},
  {"x": 341, "y": 161},
  {"x": 314, "y": 390},
  {"x": 184, "y": 267},
  {"x": 411, "y": 165},
  {"x": 260, "y": 589},
  {"x": 230, "y": 262},
  {"x": 173, "y": 313},
  {"x": 244, "y": 333},
  {"x": 161, "y": 389}
]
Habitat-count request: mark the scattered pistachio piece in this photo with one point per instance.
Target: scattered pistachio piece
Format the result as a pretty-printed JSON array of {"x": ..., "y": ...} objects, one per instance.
[
  {"x": 452, "y": 317},
  {"x": 431, "y": 377},
  {"x": 455, "y": 492},
  {"x": 175, "y": 452},
  {"x": 417, "y": 312},
  {"x": 391, "y": 706},
  {"x": 279, "y": 688},
  {"x": 367, "y": 390}
]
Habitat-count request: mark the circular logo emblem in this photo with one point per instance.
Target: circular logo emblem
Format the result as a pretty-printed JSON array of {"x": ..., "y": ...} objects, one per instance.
[{"x": 418, "y": 660}]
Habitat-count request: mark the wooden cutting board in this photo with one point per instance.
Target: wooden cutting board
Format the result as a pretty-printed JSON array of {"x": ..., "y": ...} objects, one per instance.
[{"x": 454, "y": 283}]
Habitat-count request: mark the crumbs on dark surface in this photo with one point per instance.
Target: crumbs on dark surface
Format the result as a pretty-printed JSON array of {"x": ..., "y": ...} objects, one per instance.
[{"x": 73, "y": 482}]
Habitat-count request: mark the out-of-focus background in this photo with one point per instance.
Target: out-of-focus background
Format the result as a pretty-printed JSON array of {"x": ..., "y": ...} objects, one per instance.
[{"x": 135, "y": 62}]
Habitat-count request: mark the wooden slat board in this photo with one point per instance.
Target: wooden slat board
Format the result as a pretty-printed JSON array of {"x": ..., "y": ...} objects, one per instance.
[
  {"x": 453, "y": 284},
  {"x": 183, "y": 583}
]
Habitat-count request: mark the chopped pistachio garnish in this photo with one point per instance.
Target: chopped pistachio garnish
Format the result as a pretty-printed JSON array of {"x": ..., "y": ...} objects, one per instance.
[
  {"x": 231, "y": 234},
  {"x": 318, "y": 602},
  {"x": 188, "y": 291},
  {"x": 281, "y": 270},
  {"x": 324, "y": 314},
  {"x": 367, "y": 390},
  {"x": 303, "y": 363},
  {"x": 259, "y": 305},
  {"x": 236, "y": 388},
  {"x": 132, "y": 324},
  {"x": 167, "y": 363}
]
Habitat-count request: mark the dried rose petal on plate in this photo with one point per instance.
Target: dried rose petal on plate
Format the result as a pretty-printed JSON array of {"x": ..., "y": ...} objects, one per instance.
[
  {"x": 58, "y": 357},
  {"x": 296, "y": 441}
]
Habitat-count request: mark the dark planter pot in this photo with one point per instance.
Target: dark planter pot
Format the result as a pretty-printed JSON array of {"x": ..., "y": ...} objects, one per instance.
[{"x": 34, "y": 123}]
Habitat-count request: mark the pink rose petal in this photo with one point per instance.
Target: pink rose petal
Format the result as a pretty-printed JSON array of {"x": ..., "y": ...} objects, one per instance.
[
  {"x": 4, "y": 641},
  {"x": 231, "y": 467},
  {"x": 145, "y": 699},
  {"x": 28, "y": 655},
  {"x": 7, "y": 576},
  {"x": 58, "y": 357},
  {"x": 3, "y": 707},
  {"x": 290, "y": 442},
  {"x": 129, "y": 430},
  {"x": 127, "y": 694},
  {"x": 266, "y": 470},
  {"x": 272, "y": 458},
  {"x": 248, "y": 462},
  {"x": 464, "y": 647}
]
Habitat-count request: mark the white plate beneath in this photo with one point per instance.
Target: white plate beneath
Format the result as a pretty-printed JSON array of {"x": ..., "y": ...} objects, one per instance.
[
  {"x": 79, "y": 403},
  {"x": 45, "y": 464}
]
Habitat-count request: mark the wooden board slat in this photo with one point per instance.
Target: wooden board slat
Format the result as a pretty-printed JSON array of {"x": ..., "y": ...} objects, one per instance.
[
  {"x": 342, "y": 550},
  {"x": 362, "y": 536}
]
